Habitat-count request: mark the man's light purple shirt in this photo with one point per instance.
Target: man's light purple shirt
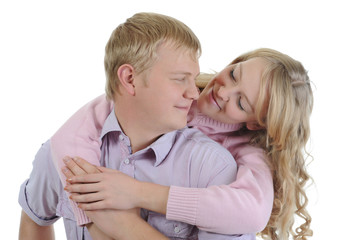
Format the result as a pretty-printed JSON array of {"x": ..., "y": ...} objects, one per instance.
[{"x": 184, "y": 157}]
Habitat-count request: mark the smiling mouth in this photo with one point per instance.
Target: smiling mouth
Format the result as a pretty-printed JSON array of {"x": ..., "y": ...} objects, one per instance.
[
  {"x": 184, "y": 108},
  {"x": 213, "y": 99}
]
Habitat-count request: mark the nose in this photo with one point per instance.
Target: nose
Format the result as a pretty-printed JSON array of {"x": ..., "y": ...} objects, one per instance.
[
  {"x": 192, "y": 91},
  {"x": 224, "y": 93}
]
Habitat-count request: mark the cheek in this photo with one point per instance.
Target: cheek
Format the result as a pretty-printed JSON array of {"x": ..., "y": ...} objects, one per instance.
[
  {"x": 231, "y": 113},
  {"x": 234, "y": 115},
  {"x": 202, "y": 96},
  {"x": 201, "y": 104}
]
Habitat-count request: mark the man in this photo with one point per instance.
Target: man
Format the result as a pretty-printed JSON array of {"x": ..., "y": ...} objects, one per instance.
[{"x": 151, "y": 63}]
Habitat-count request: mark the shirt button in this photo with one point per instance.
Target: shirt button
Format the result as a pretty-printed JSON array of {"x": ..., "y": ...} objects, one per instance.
[
  {"x": 121, "y": 138},
  {"x": 176, "y": 229},
  {"x": 126, "y": 161}
]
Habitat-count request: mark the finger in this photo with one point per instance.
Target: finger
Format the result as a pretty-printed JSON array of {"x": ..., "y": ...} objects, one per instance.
[
  {"x": 86, "y": 166},
  {"x": 82, "y": 188},
  {"x": 86, "y": 198},
  {"x": 88, "y": 178},
  {"x": 99, "y": 205},
  {"x": 73, "y": 166},
  {"x": 67, "y": 172}
]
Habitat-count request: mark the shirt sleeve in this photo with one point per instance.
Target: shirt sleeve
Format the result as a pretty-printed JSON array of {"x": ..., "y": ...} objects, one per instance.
[
  {"x": 243, "y": 206},
  {"x": 80, "y": 137},
  {"x": 214, "y": 236},
  {"x": 39, "y": 195}
]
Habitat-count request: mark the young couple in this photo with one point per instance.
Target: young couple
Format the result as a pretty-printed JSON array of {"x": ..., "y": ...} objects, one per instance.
[{"x": 187, "y": 185}]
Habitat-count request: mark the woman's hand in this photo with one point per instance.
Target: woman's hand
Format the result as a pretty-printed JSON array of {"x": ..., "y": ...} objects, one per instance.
[
  {"x": 97, "y": 188},
  {"x": 110, "y": 223},
  {"x": 103, "y": 188}
]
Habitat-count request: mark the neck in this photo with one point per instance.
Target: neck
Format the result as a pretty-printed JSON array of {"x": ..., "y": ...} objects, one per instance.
[{"x": 140, "y": 136}]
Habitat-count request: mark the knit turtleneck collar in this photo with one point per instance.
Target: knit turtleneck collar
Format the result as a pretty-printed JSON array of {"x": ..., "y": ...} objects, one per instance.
[{"x": 202, "y": 121}]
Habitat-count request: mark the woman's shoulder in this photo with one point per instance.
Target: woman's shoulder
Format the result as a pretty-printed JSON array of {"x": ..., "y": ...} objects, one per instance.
[{"x": 239, "y": 144}]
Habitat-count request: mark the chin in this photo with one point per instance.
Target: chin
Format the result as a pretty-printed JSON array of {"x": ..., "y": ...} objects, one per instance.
[
  {"x": 182, "y": 125},
  {"x": 176, "y": 126}
]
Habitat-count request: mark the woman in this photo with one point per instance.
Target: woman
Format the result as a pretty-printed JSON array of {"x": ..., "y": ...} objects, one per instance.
[{"x": 261, "y": 101}]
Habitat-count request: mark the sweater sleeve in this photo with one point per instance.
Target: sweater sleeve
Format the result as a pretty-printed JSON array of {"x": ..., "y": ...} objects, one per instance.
[
  {"x": 80, "y": 137},
  {"x": 244, "y": 206}
]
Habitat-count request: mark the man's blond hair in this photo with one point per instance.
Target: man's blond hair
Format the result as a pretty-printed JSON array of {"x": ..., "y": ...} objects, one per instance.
[{"x": 136, "y": 41}]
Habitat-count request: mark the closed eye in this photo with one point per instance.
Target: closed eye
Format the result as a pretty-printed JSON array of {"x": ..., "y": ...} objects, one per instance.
[
  {"x": 179, "y": 79},
  {"x": 240, "y": 104},
  {"x": 232, "y": 74}
]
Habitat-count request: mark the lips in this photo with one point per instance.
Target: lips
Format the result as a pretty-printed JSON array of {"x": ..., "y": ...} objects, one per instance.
[
  {"x": 213, "y": 99},
  {"x": 184, "y": 108}
]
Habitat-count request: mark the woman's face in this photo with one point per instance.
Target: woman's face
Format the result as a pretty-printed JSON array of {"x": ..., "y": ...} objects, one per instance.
[{"x": 231, "y": 96}]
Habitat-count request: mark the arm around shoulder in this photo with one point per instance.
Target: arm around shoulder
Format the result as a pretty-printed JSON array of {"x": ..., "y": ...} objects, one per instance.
[
  {"x": 244, "y": 206},
  {"x": 80, "y": 137},
  {"x": 80, "y": 134}
]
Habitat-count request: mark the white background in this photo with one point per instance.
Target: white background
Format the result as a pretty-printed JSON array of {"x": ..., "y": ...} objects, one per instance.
[{"x": 51, "y": 63}]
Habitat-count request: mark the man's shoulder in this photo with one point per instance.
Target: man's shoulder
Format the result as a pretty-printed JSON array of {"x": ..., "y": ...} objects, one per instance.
[
  {"x": 198, "y": 140},
  {"x": 44, "y": 160},
  {"x": 209, "y": 162},
  {"x": 194, "y": 135},
  {"x": 44, "y": 151}
]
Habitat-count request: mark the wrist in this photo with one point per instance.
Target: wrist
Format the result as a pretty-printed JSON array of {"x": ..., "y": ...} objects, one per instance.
[{"x": 153, "y": 197}]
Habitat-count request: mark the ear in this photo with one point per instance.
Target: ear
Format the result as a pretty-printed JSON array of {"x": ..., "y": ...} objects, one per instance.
[
  {"x": 253, "y": 126},
  {"x": 125, "y": 75}
]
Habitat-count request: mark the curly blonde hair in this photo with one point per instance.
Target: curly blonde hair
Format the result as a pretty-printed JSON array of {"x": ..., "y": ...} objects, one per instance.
[{"x": 283, "y": 108}]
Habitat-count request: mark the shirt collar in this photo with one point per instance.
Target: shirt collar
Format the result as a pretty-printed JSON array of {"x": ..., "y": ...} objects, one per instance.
[
  {"x": 161, "y": 147},
  {"x": 110, "y": 125}
]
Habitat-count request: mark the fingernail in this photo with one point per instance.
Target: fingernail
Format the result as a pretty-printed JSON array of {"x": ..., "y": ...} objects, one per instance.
[
  {"x": 64, "y": 170},
  {"x": 76, "y": 159},
  {"x": 66, "y": 159}
]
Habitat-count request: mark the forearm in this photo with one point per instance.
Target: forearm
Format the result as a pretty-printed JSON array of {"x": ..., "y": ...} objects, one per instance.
[
  {"x": 153, "y": 197},
  {"x": 136, "y": 228},
  {"x": 30, "y": 230},
  {"x": 121, "y": 225},
  {"x": 242, "y": 211},
  {"x": 96, "y": 233}
]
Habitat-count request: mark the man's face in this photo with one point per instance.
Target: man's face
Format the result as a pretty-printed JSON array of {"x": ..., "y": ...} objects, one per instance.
[{"x": 165, "y": 92}]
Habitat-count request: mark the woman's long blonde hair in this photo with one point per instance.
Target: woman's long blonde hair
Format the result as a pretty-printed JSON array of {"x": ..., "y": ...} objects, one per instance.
[{"x": 284, "y": 107}]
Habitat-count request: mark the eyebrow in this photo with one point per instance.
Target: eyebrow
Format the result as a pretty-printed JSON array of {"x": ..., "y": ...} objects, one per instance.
[
  {"x": 184, "y": 73},
  {"x": 181, "y": 72},
  {"x": 245, "y": 96}
]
